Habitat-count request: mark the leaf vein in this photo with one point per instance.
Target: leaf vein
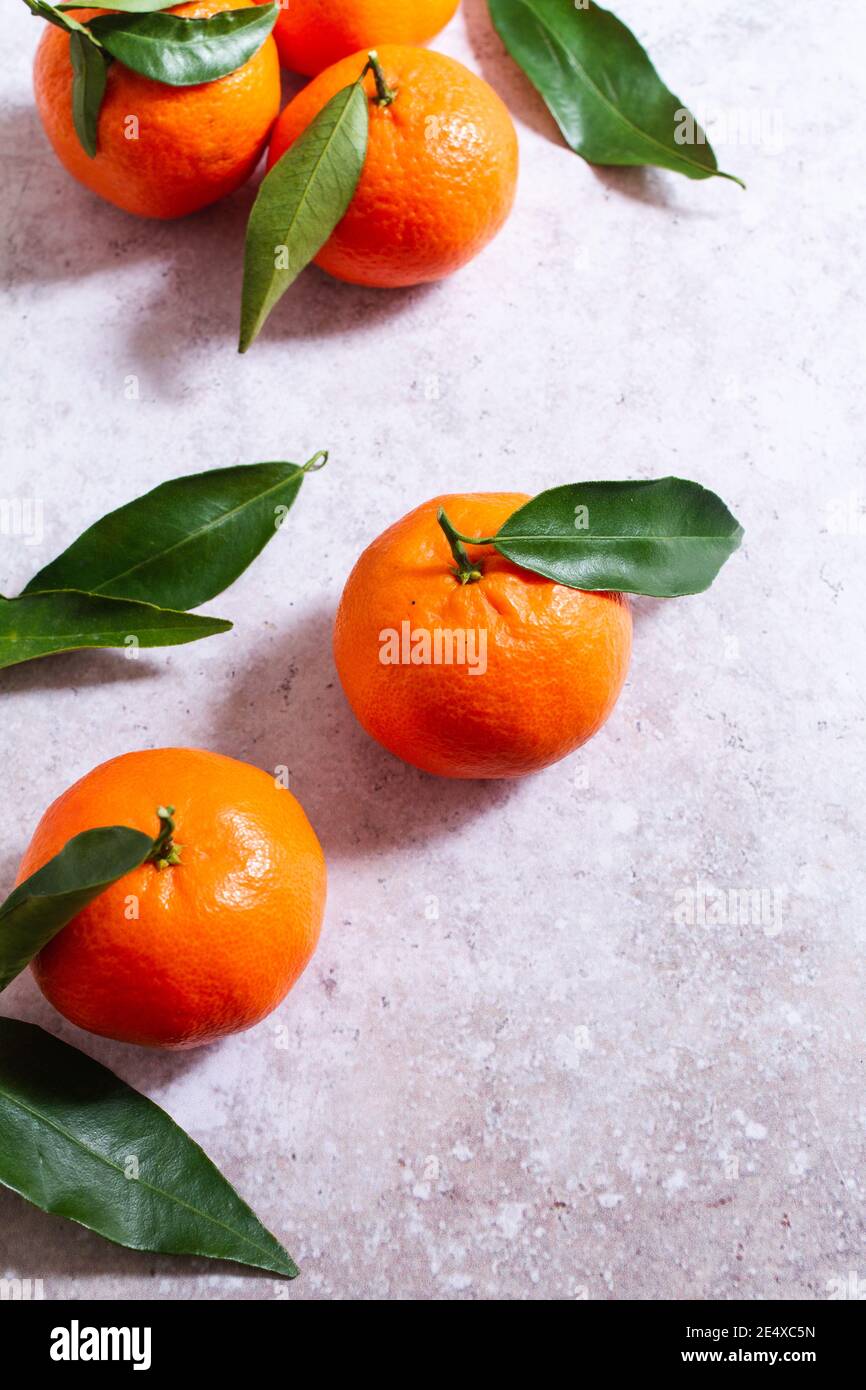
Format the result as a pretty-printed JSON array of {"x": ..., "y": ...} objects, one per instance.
[
  {"x": 580, "y": 71},
  {"x": 115, "y": 1167}
]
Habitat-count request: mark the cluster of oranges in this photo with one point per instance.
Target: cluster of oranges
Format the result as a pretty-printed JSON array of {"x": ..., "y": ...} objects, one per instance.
[
  {"x": 441, "y": 166},
  {"x": 207, "y": 937}
]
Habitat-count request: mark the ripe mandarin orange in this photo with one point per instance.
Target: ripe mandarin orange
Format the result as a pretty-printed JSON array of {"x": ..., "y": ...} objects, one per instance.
[
  {"x": 192, "y": 145},
  {"x": 440, "y": 173},
  {"x": 312, "y": 34},
  {"x": 554, "y": 658},
  {"x": 180, "y": 955}
]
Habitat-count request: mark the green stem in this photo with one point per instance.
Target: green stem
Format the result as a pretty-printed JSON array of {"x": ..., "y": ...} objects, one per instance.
[
  {"x": 316, "y": 462},
  {"x": 384, "y": 94},
  {"x": 165, "y": 852},
  {"x": 473, "y": 540},
  {"x": 54, "y": 14},
  {"x": 467, "y": 570}
]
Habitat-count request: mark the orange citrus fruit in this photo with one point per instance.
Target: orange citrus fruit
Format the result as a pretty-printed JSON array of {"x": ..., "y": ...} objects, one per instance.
[
  {"x": 440, "y": 173},
  {"x": 178, "y": 955},
  {"x": 162, "y": 151},
  {"x": 522, "y": 672},
  {"x": 312, "y": 34}
]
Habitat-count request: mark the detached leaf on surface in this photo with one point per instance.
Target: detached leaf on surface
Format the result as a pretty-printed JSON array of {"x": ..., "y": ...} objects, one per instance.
[
  {"x": 64, "y": 620},
  {"x": 299, "y": 204},
  {"x": 185, "y": 541},
  {"x": 665, "y": 537},
  {"x": 39, "y": 907},
  {"x": 89, "y": 76},
  {"x": 184, "y": 52},
  {"x": 130, "y": 578},
  {"x": 77, "y": 1141},
  {"x": 601, "y": 88}
]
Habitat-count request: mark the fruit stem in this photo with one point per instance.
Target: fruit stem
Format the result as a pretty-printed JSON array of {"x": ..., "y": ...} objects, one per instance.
[
  {"x": 316, "y": 462},
  {"x": 467, "y": 571},
  {"x": 384, "y": 94},
  {"x": 165, "y": 852}
]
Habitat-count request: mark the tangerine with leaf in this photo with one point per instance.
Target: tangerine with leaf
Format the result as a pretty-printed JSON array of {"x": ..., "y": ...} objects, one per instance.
[
  {"x": 439, "y": 173},
  {"x": 155, "y": 149},
  {"x": 209, "y": 934},
  {"x": 554, "y": 658},
  {"x": 489, "y": 634}
]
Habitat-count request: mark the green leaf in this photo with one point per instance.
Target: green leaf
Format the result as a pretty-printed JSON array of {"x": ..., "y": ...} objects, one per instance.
[
  {"x": 300, "y": 202},
  {"x": 38, "y": 624},
  {"x": 601, "y": 88},
  {"x": 123, "y": 6},
  {"x": 664, "y": 537},
  {"x": 39, "y": 907},
  {"x": 54, "y": 15},
  {"x": 184, "y": 52},
  {"x": 89, "y": 76},
  {"x": 185, "y": 541},
  {"x": 77, "y": 1141}
]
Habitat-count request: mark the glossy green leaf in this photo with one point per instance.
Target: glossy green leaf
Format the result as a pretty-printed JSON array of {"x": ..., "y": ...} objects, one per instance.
[
  {"x": 300, "y": 202},
  {"x": 39, "y": 907},
  {"x": 185, "y": 541},
  {"x": 123, "y": 6},
  {"x": 664, "y": 537},
  {"x": 184, "y": 52},
  {"x": 601, "y": 88},
  {"x": 54, "y": 15},
  {"x": 77, "y": 1141},
  {"x": 89, "y": 76},
  {"x": 39, "y": 624}
]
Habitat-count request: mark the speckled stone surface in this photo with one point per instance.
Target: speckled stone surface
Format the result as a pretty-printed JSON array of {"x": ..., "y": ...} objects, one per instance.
[{"x": 524, "y": 1063}]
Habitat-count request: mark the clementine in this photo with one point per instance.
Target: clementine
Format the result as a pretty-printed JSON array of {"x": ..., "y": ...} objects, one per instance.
[
  {"x": 162, "y": 151},
  {"x": 495, "y": 677},
  {"x": 312, "y": 34},
  {"x": 440, "y": 173},
  {"x": 210, "y": 938}
]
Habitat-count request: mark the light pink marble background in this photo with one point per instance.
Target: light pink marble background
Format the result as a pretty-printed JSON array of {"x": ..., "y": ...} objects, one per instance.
[{"x": 512, "y": 1070}]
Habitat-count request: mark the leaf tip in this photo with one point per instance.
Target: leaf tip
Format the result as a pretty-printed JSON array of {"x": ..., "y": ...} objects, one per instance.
[
  {"x": 733, "y": 178},
  {"x": 248, "y": 334},
  {"x": 319, "y": 459}
]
